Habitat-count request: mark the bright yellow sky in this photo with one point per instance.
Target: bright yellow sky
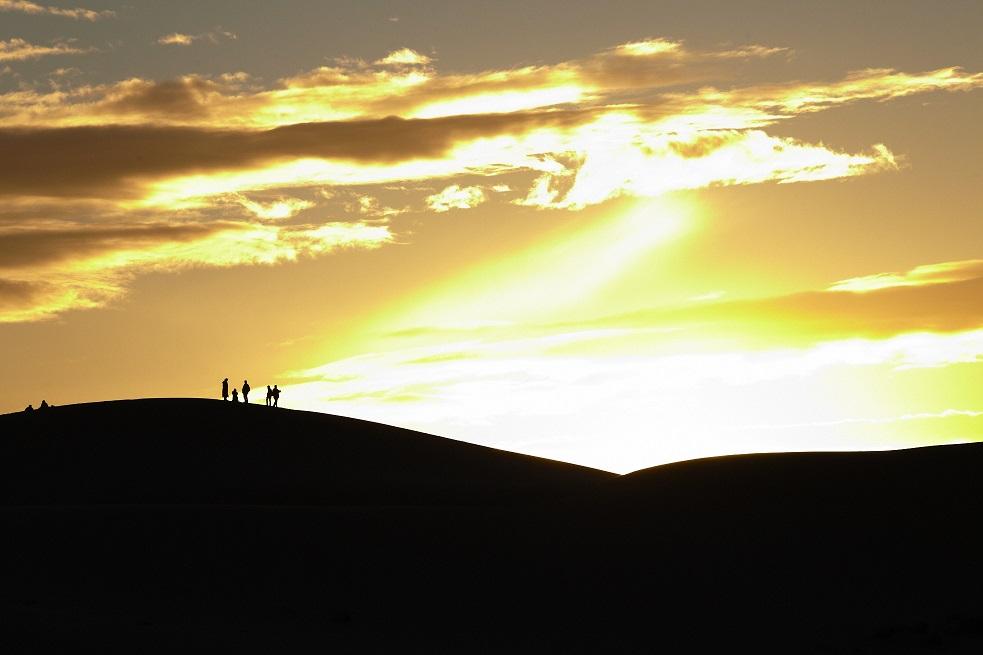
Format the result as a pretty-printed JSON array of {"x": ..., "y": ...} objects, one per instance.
[{"x": 657, "y": 239}]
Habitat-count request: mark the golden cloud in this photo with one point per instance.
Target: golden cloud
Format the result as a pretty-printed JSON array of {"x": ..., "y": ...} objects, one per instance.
[
  {"x": 179, "y": 39},
  {"x": 404, "y": 56},
  {"x": 456, "y": 197},
  {"x": 679, "y": 141},
  {"x": 176, "y": 39},
  {"x": 942, "y": 273},
  {"x": 194, "y": 142},
  {"x": 60, "y": 162},
  {"x": 50, "y": 270},
  {"x": 27, "y": 7},
  {"x": 937, "y": 298},
  {"x": 19, "y": 50},
  {"x": 400, "y": 84},
  {"x": 276, "y": 209}
]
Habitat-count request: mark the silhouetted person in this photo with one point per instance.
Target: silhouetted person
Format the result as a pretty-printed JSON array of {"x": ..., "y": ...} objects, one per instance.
[
  {"x": 245, "y": 391},
  {"x": 269, "y": 396},
  {"x": 235, "y": 395},
  {"x": 29, "y": 408},
  {"x": 225, "y": 389},
  {"x": 43, "y": 405},
  {"x": 276, "y": 396}
]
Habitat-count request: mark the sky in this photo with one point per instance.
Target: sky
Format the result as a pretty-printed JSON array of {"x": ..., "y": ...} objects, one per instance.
[{"x": 614, "y": 234}]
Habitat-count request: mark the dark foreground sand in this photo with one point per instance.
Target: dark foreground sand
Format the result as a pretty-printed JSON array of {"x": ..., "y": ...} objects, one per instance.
[{"x": 191, "y": 526}]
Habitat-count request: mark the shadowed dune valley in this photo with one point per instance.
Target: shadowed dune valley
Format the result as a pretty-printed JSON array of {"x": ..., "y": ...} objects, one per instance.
[{"x": 180, "y": 525}]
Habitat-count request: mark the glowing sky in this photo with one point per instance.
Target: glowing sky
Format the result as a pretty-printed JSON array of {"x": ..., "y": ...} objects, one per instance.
[{"x": 613, "y": 235}]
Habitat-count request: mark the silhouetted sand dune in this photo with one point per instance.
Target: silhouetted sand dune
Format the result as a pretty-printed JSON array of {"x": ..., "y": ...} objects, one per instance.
[
  {"x": 372, "y": 539},
  {"x": 209, "y": 451}
]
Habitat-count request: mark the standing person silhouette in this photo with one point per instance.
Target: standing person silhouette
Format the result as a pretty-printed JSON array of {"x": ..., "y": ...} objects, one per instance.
[
  {"x": 276, "y": 396},
  {"x": 225, "y": 389},
  {"x": 235, "y": 395},
  {"x": 245, "y": 391},
  {"x": 269, "y": 395}
]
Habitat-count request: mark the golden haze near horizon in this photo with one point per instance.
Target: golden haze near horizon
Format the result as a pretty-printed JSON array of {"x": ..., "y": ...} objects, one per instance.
[{"x": 612, "y": 236}]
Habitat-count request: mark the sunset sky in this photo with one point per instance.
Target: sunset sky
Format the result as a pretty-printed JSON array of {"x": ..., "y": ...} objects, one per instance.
[{"x": 616, "y": 234}]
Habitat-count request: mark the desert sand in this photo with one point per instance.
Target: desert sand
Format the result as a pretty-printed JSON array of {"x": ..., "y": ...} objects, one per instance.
[{"x": 180, "y": 525}]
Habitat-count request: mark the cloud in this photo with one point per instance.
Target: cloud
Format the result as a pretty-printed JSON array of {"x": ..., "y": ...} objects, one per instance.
[
  {"x": 46, "y": 271},
  {"x": 938, "y": 298},
  {"x": 647, "y": 48},
  {"x": 942, "y": 273},
  {"x": 645, "y": 381},
  {"x": 26, "y": 7},
  {"x": 176, "y": 39},
  {"x": 659, "y": 47},
  {"x": 276, "y": 209},
  {"x": 352, "y": 88},
  {"x": 170, "y": 164},
  {"x": 456, "y": 197},
  {"x": 194, "y": 137},
  {"x": 367, "y": 205},
  {"x": 637, "y": 160},
  {"x": 633, "y": 406},
  {"x": 19, "y": 50},
  {"x": 637, "y": 119},
  {"x": 180, "y": 39},
  {"x": 59, "y": 162},
  {"x": 404, "y": 56}
]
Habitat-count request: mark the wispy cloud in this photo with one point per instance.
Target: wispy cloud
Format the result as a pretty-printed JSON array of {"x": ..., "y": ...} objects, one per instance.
[
  {"x": 19, "y": 50},
  {"x": 51, "y": 270},
  {"x": 630, "y": 411},
  {"x": 456, "y": 197},
  {"x": 180, "y": 39},
  {"x": 636, "y": 120},
  {"x": 942, "y": 273},
  {"x": 370, "y": 207},
  {"x": 404, "y": 56},
  {"x": 27, "y": 7},
  {"x": 586, "y": 152},
  {"x": 629, "y": 392},
  {"x": 275, "y": 209}
]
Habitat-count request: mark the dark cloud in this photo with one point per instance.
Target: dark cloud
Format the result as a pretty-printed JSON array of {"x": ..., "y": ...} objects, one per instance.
[
  {"x": 110, "y": 162},
  {"x": 183, "y": 98},
  {"x": 17, "y": 293},
  {"x": 30, "y": 248}
]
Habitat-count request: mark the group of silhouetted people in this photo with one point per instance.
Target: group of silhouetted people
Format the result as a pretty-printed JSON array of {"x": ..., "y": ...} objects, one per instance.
[
  {"x": 272, "y": 394},
  {"x": 44, "y": 405}
]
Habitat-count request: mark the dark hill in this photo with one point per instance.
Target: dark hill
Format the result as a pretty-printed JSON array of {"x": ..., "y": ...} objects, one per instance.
[
  {"x": 185, "y": 451},
  {"x": 346, "y": 536}
]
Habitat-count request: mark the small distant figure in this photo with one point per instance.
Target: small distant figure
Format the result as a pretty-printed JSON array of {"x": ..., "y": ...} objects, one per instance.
[
  {"x": 43, "y": 405},
  {"x": 225, "y": 389},
  {"x": 245, "y": 391},
  {"x": 269, "y": 396},
  {"x": 276, "y": 396},
  {"x": 235, "y": 395},
  {"x": 29, "y": 408}
]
